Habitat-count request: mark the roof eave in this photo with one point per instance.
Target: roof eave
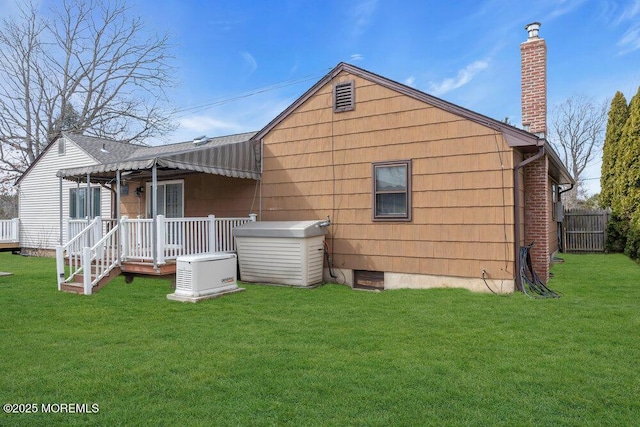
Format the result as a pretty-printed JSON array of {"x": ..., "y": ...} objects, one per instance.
[
  {"x": 564, "y": 177},
  {"x": 37, "y": 159},
  {"x": 515, "y": 137}
]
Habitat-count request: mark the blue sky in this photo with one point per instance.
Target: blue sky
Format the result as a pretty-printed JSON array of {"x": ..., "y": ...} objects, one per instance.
[
  {"x": 241, "y": 62},
  {"x": 466, "y": 52}
]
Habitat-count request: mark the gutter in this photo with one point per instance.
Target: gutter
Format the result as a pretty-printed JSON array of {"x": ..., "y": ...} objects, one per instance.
[
  {"x": 516, "y": 207},
  {"x": 561, "y": 192}
]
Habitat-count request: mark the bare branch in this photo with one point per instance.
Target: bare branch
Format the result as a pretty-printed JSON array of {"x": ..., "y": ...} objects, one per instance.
[
  {"x": 93, "y": 67},
  {"x": 577, "y": 132}
]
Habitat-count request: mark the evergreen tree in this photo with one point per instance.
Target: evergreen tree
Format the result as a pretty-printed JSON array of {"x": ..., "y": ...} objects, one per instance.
[
  {"x": 618, "y": 114},
  {"x": 626, "y": 200},
  {"x": 626, "y": 197}
]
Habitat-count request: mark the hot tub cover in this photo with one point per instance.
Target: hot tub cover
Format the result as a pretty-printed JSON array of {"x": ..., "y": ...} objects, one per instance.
[{"x": 282, "y": 229}]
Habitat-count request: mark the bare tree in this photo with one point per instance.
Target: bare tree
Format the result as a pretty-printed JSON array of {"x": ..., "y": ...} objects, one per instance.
[
  {"x": 577, "y": 132},
  {"x": 8, "y": 206},
  {"x": 90, "y": 67}
]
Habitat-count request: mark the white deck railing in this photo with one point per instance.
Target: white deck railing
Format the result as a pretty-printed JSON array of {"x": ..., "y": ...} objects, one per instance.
[
  {"x": 93, "y": 251},
  {"x": 10, "y": 230},
  {"x": 178, "y": 236},
  {"x": 137, "y": 238}
]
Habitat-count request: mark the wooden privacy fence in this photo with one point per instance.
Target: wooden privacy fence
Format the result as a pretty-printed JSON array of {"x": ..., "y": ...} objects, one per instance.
[{"x": 584, "y": 230}]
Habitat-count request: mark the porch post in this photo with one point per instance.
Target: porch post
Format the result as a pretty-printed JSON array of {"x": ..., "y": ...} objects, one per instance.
[
  {"x": 161, "y": 239},
  {"x": 87, "y": 199},
  {"x": 118, "y": 246},
  {"x": 124, "y": 236},
  {"x": 60, "y": 210},
  {"x": 97, "y": 234},
  {"x": 154, "y": 212},
  {"x": 86, "y": 267},
  {"x": 77, "y": 199},
  {"x": 213, "y": 234},
  {"x": 60, "y": 266}
]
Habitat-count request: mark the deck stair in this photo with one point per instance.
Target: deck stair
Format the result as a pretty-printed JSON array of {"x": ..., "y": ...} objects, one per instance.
[
  {"x": 76, "y": 286},
  {"x": 128, "y": 269},
  {"x": 104, "y": 249}
]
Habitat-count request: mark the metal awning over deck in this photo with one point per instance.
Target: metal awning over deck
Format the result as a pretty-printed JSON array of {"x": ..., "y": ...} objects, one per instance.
[{"x": 236, "y": 156}]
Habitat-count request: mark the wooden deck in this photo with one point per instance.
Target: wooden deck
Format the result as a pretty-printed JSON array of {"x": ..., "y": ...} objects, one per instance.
[
  {"x": 147, "y": 269},
  {"x": 9, "y": 246}
]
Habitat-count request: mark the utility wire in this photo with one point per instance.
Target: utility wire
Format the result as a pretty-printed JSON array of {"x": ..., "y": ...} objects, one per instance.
[{"x": 183, "y": 112}]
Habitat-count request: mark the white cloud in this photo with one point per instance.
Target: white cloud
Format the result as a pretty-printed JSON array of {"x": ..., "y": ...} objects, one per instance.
[
  {"x": 615, "y": 14},
  {"x": 463, "y": 77},
  {"x": 409, "y": 81},
  {"x": 250, "y": 61},
  {"x": 356, "y": 57},
  {"x": 361, "y": 14},
  {"x": 564, "y": 7},
  {"x": 631, "y": 11},
  {"x": 630, "y": 41}
]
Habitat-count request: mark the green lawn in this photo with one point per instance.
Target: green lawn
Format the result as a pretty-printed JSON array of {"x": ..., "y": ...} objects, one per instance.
[{"x": 328, "y": 356}]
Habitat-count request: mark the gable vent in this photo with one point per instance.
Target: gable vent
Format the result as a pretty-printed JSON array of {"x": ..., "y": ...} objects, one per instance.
[{"x": 344, "y": 96}]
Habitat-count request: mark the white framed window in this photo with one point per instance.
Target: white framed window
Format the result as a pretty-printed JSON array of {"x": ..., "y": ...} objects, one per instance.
[
  {"x": 78, "y": 202},
  {"x": 391, "y": 191},
  {"x": 62, "y": 146},
  {"x": 170, "y": 199}
]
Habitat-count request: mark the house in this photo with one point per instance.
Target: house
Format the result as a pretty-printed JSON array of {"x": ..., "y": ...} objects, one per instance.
[
  {"x": 420, "y": 192},
  {"x": 189, "y": 181},
  {"x": 43, "y": 200}
]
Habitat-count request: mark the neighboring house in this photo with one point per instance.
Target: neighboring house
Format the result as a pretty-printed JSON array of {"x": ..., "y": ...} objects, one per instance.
[
  {"x": 39, "y": 189},
  {"x": 420, "y": 192}
]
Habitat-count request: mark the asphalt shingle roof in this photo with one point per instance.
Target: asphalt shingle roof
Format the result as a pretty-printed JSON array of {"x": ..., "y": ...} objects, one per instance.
[{"x": 102, "y": 149}]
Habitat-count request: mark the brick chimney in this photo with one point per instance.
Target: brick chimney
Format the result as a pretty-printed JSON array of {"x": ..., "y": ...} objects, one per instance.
[
  {"x": 536, "y": 174},
  {"x": 534, "y": 81}
]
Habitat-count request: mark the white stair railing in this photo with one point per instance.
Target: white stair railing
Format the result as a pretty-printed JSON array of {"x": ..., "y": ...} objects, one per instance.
[
  {"x": 100, "y": 259},
  {"x": 74, "y": 252},
  {"x": 76, "y": 226},
  {"x": 93, "y": 252}
]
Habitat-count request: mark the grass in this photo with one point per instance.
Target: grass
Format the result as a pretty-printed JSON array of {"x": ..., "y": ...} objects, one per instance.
[{"x": 328, "y": 356}]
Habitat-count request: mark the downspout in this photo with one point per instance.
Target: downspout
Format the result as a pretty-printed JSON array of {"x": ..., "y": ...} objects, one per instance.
[
  {"x": 561, "y": 226},
  {"x": 117, "y": 212},
  {"x": 516, "y": 207},
  {"x": 261, "y": 175},
  {"x": 561, "y": 192}
]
